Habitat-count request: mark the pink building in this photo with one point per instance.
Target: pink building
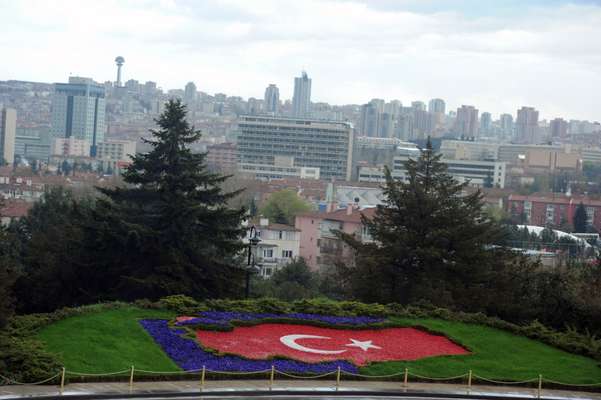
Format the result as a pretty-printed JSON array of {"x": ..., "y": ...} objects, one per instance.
[{"x": 319, "y": 246}]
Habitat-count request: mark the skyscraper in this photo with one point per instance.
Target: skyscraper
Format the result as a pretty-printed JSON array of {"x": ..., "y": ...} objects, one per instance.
[
  {"x": 418, "y": 105},
  {"x": 301, "y": 101},
  {"x": 436, "y": 106},
  {"x": 485, "y": 123},
  {"x": 272, "y": 99},
  {"x": 559, "y": 128},
  {"x": 190, "y": 94},
  {"x": 526, "y": 125},
  {"x": 506, "y": 122},
  {"x": 466, "y": 123},
  {"x": 78, "y": 110},
  {"x": 370, "y": 120},
  {"x": 8, "y": 131}
]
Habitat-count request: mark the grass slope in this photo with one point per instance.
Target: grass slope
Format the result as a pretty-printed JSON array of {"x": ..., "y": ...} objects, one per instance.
[
  {"x": 107, "y": 341},
  {"x": 495, "y": 355},
  {"x": 113, "y": 340}
]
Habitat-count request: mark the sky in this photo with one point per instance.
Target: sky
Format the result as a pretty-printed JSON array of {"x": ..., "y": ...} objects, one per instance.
[{"x": 497, "y": 55}]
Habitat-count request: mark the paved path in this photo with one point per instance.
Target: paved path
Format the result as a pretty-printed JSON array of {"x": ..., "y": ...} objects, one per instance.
[{"x": 241, "y": 385}]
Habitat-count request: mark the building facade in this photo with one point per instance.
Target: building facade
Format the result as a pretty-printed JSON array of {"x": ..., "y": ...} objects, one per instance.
[
  {"x": 297, "y": 142},
  {"x": 558, "y": 128},
  {"x": 279, "y": 245},
  {"x": 272, "y": 99},
  {"x": 437, "y": 106},
  {"x": 466, "y": 122},
  {"x": 8, "y": 133},
  {"x": 78, "y": 110},
  {"x": 223, "y": 157},
  {"x": 301, "y": 101},
  {"x": 526, "y": 126}
]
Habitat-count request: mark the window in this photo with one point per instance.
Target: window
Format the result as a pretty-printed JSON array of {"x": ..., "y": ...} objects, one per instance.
[
  {"x": 267, "y": 271},
  {"x": 268, "y": 253},
  {"x": 286, "y": 253},
  {"x": 590, "y": 215},
  {"x": 550, "y": 213},
  {"x": 280, "y": 235}
]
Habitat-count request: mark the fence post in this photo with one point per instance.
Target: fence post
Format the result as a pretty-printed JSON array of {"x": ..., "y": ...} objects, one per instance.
[
  {"x": 469, "y": 379},
  {"x": 406, "y": 378},
  {"x": 202, "y": 378},
  {"x": 540, "y": 385},
  {"x": 131, "y": 379},
  {"x": 338, "y": 378},
  {"x": 62, "y": 381},
  {"x": 271, "y": 377}
]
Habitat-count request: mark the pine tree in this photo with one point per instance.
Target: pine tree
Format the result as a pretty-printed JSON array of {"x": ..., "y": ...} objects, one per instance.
[
  {"x": 169, "y": 231},
  {"x": 430, "y": 241},
  {"x": 580, "y": 219}
]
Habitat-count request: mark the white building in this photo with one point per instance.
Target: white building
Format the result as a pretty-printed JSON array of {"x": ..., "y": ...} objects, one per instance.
[
  {"x": 279, "y": 245},
  {"x": 70, "y": 147},
  {"x": 8, "y": 132}
]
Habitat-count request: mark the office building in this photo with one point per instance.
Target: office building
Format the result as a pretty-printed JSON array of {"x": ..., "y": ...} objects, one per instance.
[
  {"x": 8, "y": 132},
  {"x": 190, "y": 94},
  {"x": 369, "y": 124},
  {"x": 466, "y": 123},
  {"x": 33, "y": 143},
  {"x": 301, "y": 101},
  {"x": 558, "y": 128},
  {"x": 116, "y": 150},
  {"x": 418, "y": 105},
  {"x": 70, "y": 147},
  {"x": 437, "y": 106},
  {"x": 78, "y": 110},
  {"x": 271, "y": 102},
  {"x": 296, "y": 142},
  {"x": 526, "y": 125}
]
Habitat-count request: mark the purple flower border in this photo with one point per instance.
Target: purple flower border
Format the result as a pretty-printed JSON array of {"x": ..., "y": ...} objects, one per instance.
[
  {"x": 189, "y": 355},
  {"x": 224, "y": 318}
]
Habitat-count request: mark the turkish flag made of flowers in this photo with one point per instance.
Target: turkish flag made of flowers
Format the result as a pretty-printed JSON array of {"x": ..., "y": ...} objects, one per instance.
[{"x": 315, "y": 344}]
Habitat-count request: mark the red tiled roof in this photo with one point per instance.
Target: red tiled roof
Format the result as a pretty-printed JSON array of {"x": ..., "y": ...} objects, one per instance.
[
  {"x": 555, "y": 199},
  {"x": 342, "y": 215},
  {"x": 15, "y": 209}
]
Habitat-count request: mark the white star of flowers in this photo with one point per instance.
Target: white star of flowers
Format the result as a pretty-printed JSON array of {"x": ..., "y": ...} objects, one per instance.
[{"x": 365, "y": 345}]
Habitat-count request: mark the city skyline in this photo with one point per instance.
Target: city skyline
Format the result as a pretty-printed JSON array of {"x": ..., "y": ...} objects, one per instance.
[{"x": 498, "y": 58}]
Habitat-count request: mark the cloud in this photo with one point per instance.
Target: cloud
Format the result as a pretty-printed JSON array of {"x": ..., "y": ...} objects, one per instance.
[{"x": 540, "y": 53}]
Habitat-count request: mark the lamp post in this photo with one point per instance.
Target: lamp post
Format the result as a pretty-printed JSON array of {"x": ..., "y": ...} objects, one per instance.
[{"x": 253, "y": 242}]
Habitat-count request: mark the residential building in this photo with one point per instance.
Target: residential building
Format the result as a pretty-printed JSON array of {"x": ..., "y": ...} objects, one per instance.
[
  {"x": 78, "y": 110},
  {"x": 466, "y": 122},
  {"x": 436, "y": 106},
  {"x": 526, "y": 126},
  {"x": 8, "y": 133},
  {"x": 369, "y": 124},
  {"x": 485, "y": 124},
  {"x": 326, "y": 145},
  {"x": 301, "y": 101},
  {"x": 271, "y": 102},
  {"x": 116, "y": 150},
  {"x": 190, "y": 95},
  {"x": 319, "y": 245},
  {"x": 506, "y": 123},
  {"x": 70, "y": 147},
  {"x": 559, "y": 128},
  {"x": 469, "y": 150},
  {"x": 554, "y": 209},
  {"x": 279, "y": 245},
  {"x": 418, "y": 105},
  {"x": 223, "y": 157}
]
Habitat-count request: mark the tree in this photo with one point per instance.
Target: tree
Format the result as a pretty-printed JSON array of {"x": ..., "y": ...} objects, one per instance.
[
  {"x": 294, "y": 281},
  {"x": 580, "y": 219},
  {"x": 430, "y": 242},
  {"x": 283, "y": 206},
  {"x": 169, "y": 231}
]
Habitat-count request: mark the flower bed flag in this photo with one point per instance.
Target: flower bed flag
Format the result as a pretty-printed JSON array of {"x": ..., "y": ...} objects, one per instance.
[{"x": 316, "y": 344}]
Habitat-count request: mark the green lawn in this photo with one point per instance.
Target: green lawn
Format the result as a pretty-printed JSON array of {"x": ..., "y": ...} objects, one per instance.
[
  {"x": 113, "y": 340},
  {"x": 495, "y": 354},
  {"x": 107, "y": 341}
]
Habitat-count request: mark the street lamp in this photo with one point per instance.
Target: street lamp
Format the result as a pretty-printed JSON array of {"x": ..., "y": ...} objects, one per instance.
[{"x": 253, "y": 242}]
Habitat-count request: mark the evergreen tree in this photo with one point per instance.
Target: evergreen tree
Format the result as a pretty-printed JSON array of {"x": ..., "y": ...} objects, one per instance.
[
  {"x": 580, "y": 219},
  {"x": 430, "y": 242},
  {"x": 170, "y": 231}
]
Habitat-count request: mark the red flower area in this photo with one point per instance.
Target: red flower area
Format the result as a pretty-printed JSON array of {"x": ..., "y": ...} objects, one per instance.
[{"x": 315, "y": 344}]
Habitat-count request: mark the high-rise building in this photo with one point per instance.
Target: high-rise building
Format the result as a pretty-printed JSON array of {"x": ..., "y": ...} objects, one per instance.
[
  {"x": 386, "y": 125},
  {"x": 190, "y": 94},
  {"x": 418, "y": 105},
  {"x": 301, "y": 101},
  {"x": 485, "y": 123},
  {"x": 526, "y": 125},
  {"x": 78, "y": 110},
  {"x": 436, "y": 106},
  {"x": 506, "y": 122},
  {"x": 466, "y": 123},
  {"x": 266, "y": 142},
  {"x": 369, "y": 124},
  {"x": 8, "y": 132},
  {"x": 272, "y": 99},
  {"x": 559, "y": 128},
  {"x": 394, "y": 107}
]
